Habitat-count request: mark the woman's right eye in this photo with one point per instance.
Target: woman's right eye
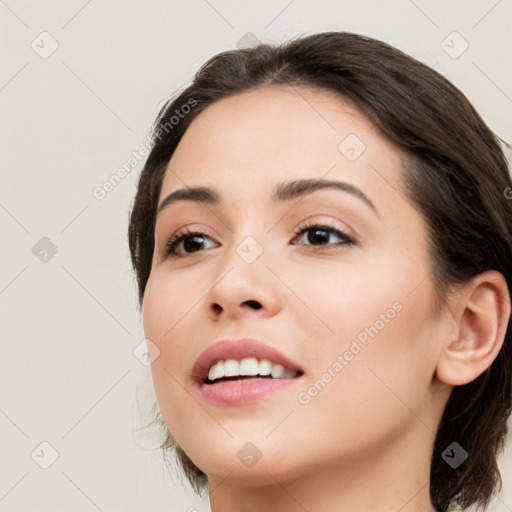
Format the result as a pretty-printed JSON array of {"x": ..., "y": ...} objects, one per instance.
[{"x": 190, "y": 240}]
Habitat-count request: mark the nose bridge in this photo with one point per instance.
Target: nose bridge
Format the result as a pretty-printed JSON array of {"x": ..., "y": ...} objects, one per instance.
[{"x": 248, "y": 238}]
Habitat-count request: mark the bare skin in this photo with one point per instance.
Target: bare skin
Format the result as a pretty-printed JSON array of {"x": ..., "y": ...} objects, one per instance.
[{"x": 364, "y": 441}]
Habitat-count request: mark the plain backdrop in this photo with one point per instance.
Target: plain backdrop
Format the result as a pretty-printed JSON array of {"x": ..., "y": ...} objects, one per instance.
[{"x": 80, "y": 84}]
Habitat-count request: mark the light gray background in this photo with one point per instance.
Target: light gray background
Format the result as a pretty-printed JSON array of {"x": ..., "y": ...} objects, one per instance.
[{"x": 69, "y": 323}]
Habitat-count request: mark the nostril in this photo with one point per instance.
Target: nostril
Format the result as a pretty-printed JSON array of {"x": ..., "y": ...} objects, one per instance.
[
  {"x": 254, "y": 304},
  {"x": 216, "y": 308}
]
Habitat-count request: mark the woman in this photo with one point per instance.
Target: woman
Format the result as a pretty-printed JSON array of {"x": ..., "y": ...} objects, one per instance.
[{"x": 323, "y": 251}]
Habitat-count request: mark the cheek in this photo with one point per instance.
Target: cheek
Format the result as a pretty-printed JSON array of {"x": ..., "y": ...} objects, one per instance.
[
  {"x": 167, "y": 302},
  {"x": 374, "y": 395},
  {"x": 164, "y": 319},
  {"x": 344, "y": 298},
  {"x": 377, "y": 322},
  {"x": 165, "y": 322},
  {"x": 174, "y": 319}
]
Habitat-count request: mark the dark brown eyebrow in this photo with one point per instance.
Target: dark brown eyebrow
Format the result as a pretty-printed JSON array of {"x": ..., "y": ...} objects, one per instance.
[{"x": 284, "y": 192}]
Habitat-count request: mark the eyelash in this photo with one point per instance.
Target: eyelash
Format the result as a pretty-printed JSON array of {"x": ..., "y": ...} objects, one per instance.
[{"x": 185, "y": 233}]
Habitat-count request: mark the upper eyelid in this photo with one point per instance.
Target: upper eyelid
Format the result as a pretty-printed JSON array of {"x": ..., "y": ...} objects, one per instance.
[{"x": 305, "y": 224}]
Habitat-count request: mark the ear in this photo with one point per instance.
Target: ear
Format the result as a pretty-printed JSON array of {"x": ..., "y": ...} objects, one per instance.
[{"x": 481, "y": 313}]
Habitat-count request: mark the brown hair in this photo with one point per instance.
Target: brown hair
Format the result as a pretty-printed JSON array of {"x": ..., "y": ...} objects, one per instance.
[{"x": 455, "y": 174}]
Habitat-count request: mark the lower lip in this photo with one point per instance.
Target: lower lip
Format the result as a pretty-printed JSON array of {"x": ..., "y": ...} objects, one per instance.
[{"x": 245, "y": 391}]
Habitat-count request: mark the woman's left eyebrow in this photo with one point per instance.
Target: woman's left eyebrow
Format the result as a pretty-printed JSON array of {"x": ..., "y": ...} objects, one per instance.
[{"x": 285, "y": 191}]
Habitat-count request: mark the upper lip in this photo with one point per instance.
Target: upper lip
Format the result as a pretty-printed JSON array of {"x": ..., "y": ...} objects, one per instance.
[{"x": 246, "y": 347}]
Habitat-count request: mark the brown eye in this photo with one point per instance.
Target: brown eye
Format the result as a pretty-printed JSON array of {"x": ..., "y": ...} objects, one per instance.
[
  {"x": 191, "y": 242},
  {"x": 319, "y": 234}
]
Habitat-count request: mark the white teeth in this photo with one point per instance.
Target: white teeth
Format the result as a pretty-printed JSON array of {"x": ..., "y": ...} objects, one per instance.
[
  {"x": 265, "y": 367},
  {"x": 216, "y": 371},
  {"x": 277, "y": 371},
  {"x": 249, "y": 366},
  {"x": 231, "y": 368}
]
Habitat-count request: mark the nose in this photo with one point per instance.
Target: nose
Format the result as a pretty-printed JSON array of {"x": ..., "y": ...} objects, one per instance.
[{"x": 242, "y": 289}]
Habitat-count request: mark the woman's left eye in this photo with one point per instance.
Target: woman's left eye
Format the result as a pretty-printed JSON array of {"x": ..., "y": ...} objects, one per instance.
[{"x": 320, "y": 234}]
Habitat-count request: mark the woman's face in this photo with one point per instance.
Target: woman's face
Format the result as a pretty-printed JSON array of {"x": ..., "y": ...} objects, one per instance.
[{"x": 353, "y": 310}]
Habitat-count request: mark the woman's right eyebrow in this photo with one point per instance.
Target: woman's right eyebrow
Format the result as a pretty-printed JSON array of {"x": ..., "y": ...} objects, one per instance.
[{"x": 285, "y": 191}]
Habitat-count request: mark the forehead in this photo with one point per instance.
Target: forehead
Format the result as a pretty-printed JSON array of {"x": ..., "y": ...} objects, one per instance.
[{"x": 247, "y": 142}]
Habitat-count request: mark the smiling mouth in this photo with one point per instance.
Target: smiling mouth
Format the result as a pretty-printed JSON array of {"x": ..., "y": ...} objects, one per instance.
[
  {"x": 237, "y": 382},
  {"x": 229, "y": 363}
]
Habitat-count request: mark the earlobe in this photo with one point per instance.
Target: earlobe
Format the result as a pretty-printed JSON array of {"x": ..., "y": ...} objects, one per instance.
[{"x": 484, "y": 307}]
